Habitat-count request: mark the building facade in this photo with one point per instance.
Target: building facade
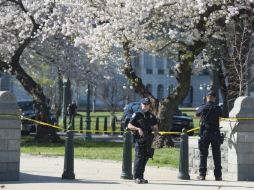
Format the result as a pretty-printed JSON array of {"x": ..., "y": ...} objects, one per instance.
[{"x": 157, "y": 74}]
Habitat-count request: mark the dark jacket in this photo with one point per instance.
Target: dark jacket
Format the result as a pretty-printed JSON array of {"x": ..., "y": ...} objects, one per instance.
[
  {"x": 72, "y": 108},
  {"x": 210, "y": 114},
  {"x": 145, "y": 121}
]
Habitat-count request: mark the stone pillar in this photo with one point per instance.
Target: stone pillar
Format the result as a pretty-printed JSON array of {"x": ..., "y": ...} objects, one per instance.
[
  {"x": 9, "y": 137},
  {"x": 240, "y": 139}
]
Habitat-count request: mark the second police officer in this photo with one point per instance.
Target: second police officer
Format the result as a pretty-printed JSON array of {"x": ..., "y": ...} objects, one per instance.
[
  {"x": 142, "y": 123},
  {"x": 210, "y": 134}
]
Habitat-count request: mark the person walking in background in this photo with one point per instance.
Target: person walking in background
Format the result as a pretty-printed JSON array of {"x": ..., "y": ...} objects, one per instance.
[{"x": 72, "y": 109}]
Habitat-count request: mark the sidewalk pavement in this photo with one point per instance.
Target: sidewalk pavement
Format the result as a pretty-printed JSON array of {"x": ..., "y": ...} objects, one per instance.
[{"x": 44, "y": 173}]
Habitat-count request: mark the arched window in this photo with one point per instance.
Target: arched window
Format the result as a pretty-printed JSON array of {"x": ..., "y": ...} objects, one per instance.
[
  {"x": 160, "y": 91},
  {"x": 149, "y": 87},
  {"x": 148, "y": 62}
]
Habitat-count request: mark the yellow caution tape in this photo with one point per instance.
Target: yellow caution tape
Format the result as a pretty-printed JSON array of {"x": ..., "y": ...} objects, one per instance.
[
  {"x": 235, "y": 118},
  {"x": 96, "y": 131},
  {"x": 194, "y": 129},
  {"x": 168, "y": 133},
  {"x": 41, "y": 122},
  {"x": 61, "y": 128}
]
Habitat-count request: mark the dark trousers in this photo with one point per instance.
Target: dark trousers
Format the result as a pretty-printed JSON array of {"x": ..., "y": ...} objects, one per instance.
[
  {"x": 207, "y": 138},
  {"x": 140, "y": 161}
]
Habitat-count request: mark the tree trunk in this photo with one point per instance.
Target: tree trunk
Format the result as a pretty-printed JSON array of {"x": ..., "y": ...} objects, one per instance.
[
  {"x": 224, "y": 91},
  {"x": 166, "y": 107},
  {"x": 169, "y": 105},
  {"x": 43, "y": 110}
]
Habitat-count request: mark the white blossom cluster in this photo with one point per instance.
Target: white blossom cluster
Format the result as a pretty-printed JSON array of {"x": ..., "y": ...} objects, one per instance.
[
  {"x": 16, "y": 25},
  {"x": 150, "y": 25},
  {"x": 102, "y": 27}
]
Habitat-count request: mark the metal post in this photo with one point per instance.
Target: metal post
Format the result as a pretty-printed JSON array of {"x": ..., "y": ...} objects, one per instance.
[
  {"x": 65, "y": 122},
  {"x": 113, "y": 125},
  {"x": 64, "y": 103},
  {"x": 69, "y": 154},
  {"x": 105, "y": 125},
  {"x": 97, "y": 125},
  {"x": 122, "y": 128},
  {"x": 127, "y": 156},
  {"x": 184, "y": 156},
  {"x": 81, "y": 124},
  {"x": 88, "y": 118}
]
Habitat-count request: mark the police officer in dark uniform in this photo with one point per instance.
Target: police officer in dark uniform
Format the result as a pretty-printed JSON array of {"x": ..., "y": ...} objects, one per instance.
[
  {"x": 210, "y": 134},
  {"x": 142, "y": 123}
]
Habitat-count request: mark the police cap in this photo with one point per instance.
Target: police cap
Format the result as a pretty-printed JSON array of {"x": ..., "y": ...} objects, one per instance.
[
  {"x": 211, "y": 93},
  {"x": 146, "y": 101}
]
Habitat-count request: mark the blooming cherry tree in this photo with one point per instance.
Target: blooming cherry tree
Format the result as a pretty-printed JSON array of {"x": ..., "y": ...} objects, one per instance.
[
  {"x": 24, "y": 22},
  {"x": 173, "y": 27}
]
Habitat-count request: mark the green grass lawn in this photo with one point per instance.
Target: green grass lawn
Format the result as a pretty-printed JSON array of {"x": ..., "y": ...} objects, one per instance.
[{"x": 98, "y": 150}]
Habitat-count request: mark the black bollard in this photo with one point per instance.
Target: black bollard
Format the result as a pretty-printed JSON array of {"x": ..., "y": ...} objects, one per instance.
[
  {"x": 81, "y": 124},
  {"x": 127, "y": 156},
  {"x": 184, "y": 156},
  {"x": 122, "y": 128},
  {"x": 88, "y": 117},
  {"x": 69, "y": 154},
  {"x": 105, "y": 125},
  {"x": 97, "y": 125},
  {"x": 64, "y": 122},
  {"x": 113, "y": 125},
  {"x": 64, "y": 103}
]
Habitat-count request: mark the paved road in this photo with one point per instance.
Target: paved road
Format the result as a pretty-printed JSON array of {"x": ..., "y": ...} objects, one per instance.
[{"x": 44, "y": 173}]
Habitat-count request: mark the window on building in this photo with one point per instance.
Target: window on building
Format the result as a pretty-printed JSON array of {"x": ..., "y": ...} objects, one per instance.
[
  {"x": 149, "y": 87},
  {"x": 159, "y": 62},
  {"x": 149, "y": 71},
  {"x": 148, "y": 62},
  {"x": 160, "y": 71},
  {"x": 160, "y": 91}
]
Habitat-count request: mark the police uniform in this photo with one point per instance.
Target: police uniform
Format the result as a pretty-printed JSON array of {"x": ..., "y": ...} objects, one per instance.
[
  {"x": 145, "y": 121},
  {"x": 210, "y": 134}
]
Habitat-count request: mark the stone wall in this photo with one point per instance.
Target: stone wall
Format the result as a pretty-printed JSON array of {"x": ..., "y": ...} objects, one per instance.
[{"x": 9, "y": 137}]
